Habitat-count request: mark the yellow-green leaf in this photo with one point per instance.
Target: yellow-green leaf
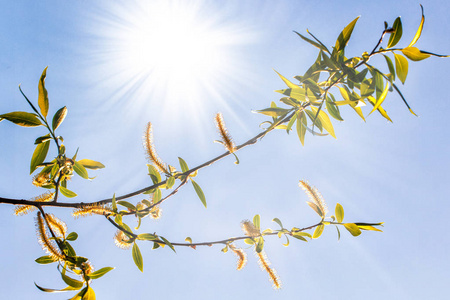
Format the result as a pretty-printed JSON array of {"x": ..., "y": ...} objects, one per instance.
[
  {"x": 137, "y": 257},
  {"x": 380, "y": 108},
  {"x": 352, "y": 228},
  {"x": 72, "y": 282},
  {"x": 22, "y": 118},
  {"x": 39, "y": 155},
  {"x": 43, "y": 96},
  {"x": 401, "y": 66},
  {"x": 344, "y": 36},
  {"x": 301, "y": 127},
  {"x": 368, "y": 227},
  {"x": 199, "y": 192},
  {"x": 339, "y": 212},
  {"x": 256, "y": 222},
  {"x": 396, "y": 34},
  {"x": 66, "y": 192},
  {"x": 89, "y": 295},
  {"x": 381, "y": 99},
  {"x": 80, "y": 170},
  {"x": 91, "y": 164},
  {"x": 59, "y": 117},
  {"x": 419, "y": 30},
  {"x": 414, "y": 53},
  {"x": 318, "y": 232},
  {"x": 286, "y": 81},
  {"x": 325, "y": 120}
]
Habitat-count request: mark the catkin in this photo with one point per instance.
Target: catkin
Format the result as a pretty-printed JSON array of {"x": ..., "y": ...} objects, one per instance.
[
  {"x": 223, "y": 132},
  {"x": 152, "y": 156},
  {"x": 241, "y": 255},
  {"x": 264, "y": 263},
  {"x": 314, "y": 196},
  {"x": 44, "y": 240}
]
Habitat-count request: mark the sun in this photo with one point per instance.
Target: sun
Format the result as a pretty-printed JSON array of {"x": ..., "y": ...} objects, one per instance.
[{"x": 180, "y": 51}]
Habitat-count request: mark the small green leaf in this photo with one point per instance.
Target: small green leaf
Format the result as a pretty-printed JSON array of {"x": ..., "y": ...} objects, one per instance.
[
  {"x": 390, "y": 66},
  {"x": 42, "y": 139},
  {"x": 276, "y": 220},
  {"x": 414, "y": 54},
  {"x": 66, "y": 192},
  {"x": 249, "y": 241},
  {"x": 21, "y": 118},
  {"x": 301, "y": 233},
  {"x": 325, "y": 121},
  {"x": 320, "y": 46},
  {"x": 99, "y": 273},
  {"x": 188, "y": 239},
  {"x": 381, "y": 99},
  {"x": 183, "y": 165},
  {"x": 333, "y": 110},
  {"x": 147, "y": 237},
  {"x": 137, "y": 257},
  {"x": 114, "y": 204},
  {"x": 318, "y": 231},
  {"x": 39, "y": 155},
  {"x": 273, "y": 111},
  {"x": 91, "y": 164},
  {"x": 352, "y": 228},
  {"x": 256, "y": 222},
  {"x": 301, "y": 127},
  {"x": 72, "y": 282},
  {"x": 170, "y": 182},
  {"x": 127, "y": 204},
  {"x": 369, "y": 228},
  {"x": 259, "y": 245},
  {"x": 299, "y": 237},
  {"x": 157, "y": 196},
  {"x": 199, "y": 192},
  {"x": 72, "y": 236},
  {"x": 339, "y": 212},
  {"x": 80, "y": 170},
  {"x": 168, "y": 243},
  {"x": 43, "y": 96},
  {"x": 339, "y": 233},
  {"x": 419, "y": 30},
  {"x": 69, "y": 288},
  {"x": 344, "y": 36},
  {"x": 59, "y": 117},
  {"x": 401, "y": 66},
  {"x": 43, "y": 260},
  {"x": 396, "y": 34}
]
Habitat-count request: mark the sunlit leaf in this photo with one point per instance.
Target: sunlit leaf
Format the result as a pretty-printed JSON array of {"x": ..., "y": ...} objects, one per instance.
[
  {"x": 259, "y": 245},
  {"x": 286, "y": 81},
  {"x": 315, "y": 208},
  {"x": 170, "y": 182},
  {"x": 59, "y": 117},
  {"x": 339, "y": 212},
  {"x": 199, "y": 192},
  {"x": 39, "y": 155},
  {"x": 352, "y": 228},
  {"x": 42, "y": 139},
  {"x": 22, "y": 118},
  {"x": 80, "y": 170},
  {"x": 368, "y": 227},
  {"x": 390, "y": 66},
  {"x": 339, "y": 233},
  {"x": 381, "y": 99},
  {"x": 99, "y": 273},
  {"x": 43, "y": 260},
  {"x": 301, "y": 127},
  {"x": 256, "y": 222},
  {"x": 419, "y": 30},
  {"x": 72, "y": 236},
  {"x": 276, "y": 220},
  {"x": 249, "y": 241},
  {"x": 333, "y": 110},
  {"x": 401, "y": 66},
  {"x": 91, "y": 164},
  {"x": 69, "y": 288},
  {"x": 273, "y": 112},
  {"x": 320, "y": 46},
  {"x": 380, "y": 109},
  {"x": 414, "y": 54},
  {"x": 168, "y": 244},
  {"x": 137, "y": 257},
  {"x": 89, "y": 295},
  {"x": 127, "y": 204},
  {"x": 147, "y": 237},
  {"x": 183, "y": 165},
  {"x": 71, "y": 282},
  {"x": 396, "y": 34},
  {"x": 157, "y": 196},
  {"x": 43, "y": 96},
  {"x": 344, "y": 36},
  {"x": 325, "y": 121},
  {"x": 154, "y": 174},
  {"x": 318, "y": 231}
]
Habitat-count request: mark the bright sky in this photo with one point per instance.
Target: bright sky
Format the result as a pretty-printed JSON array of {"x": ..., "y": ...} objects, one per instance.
[{"x": 118, "y": 66}]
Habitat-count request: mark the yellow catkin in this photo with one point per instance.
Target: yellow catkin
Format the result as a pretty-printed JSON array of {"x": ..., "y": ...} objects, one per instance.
[
  {"x": 242, "y": 256},
  {"x": 250, "y": 229},
  {"x": 87, "y": 267},
  {"x": 152, "y": 156},
  {"x": 41, "y": 178},
  {"x": 121, "y": 240},
  {"x": 58, "y": 227},
  {"x": 223, "y": 132},
  {"x": 264, "y": 263},
  {"x": 21, "y": 210},
  {"x": 44, "y": 240},
  {"x": 94, "y": 209},
  {"x": 314, "y": 196}
]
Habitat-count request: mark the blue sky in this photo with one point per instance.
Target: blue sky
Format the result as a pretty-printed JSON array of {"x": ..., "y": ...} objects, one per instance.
[{"x": 396, "y": 173}]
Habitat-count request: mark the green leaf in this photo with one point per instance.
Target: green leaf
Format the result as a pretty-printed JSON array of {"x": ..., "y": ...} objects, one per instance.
[
  {"x": 380, "y": 109},
  {"x": 22, "y": 118},
  {"x": 89, "y": 295},
  {"x": 316, "y": 120},
  {"x": 43, "y": 260},
  {"x": 154, "y": 174},
  {"x": 300, "y": 233},
  {"x": 168, "y": 244},
  {"x": 315, "y": 208},
  {"x": 344, "y": 36},
  {"x": 339, "y": 212},
  {"x": 72, "y": 236},
  {"x": 199, "y": 192},
  {"x": 419, "y": 30},
  {"x": 352, "y": 228},
  {"x": 249, "y": 241},
  {"x": 291, "y": 122},
  {"x": 39, "y": 155},
  {"x": 286, "y": 81},
  {"x": 42, "y": 139},
  {"x": 299, "y": 237},
  {"x": 147, "y": 237},
  {"x": 259, "y": 245},
  {"x": 273, "y": 111},
  {"x": 188, "y": 239},
  {"x": 137, "y": 257},
  {"x": 256, "y": 222},
  {"x": 114, "y": 204},
  {"x": 99, "y": 273},
  {"x": 318, "y": 231},
  {"x": 170, "y": 182},
  {"x": 339, "y": 233},
  {"x": 414, "y": 53},
  {"x": 276, "y": 220},
  {"x": 127, "y": 204},
  {"x": 396, "y": 34},
  {"x": 91, "y": 164},
  {"x": 401, "y": 65},
  {"x": 320, "y": 46},
  {"x": 72, "y": 282},
  {"x": 390, "y": 66},
  {"x": 301, "y": 127},
  {"x": 325, "y": 121},
  {"x": 66, "y": 192},
  {"x": 381, "y": 99},
  {"x": 80, "y": 170},
  {"x": 157, "y": 196},
  {"x": 333, "y": 110},
  {"x": 69, "y": 288},
  {"x": 183, "y": 165},
  {"x": 43, "y": 96},
  {"x": 59, "y": 117},
  {"x": 368, "y": 227}
]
